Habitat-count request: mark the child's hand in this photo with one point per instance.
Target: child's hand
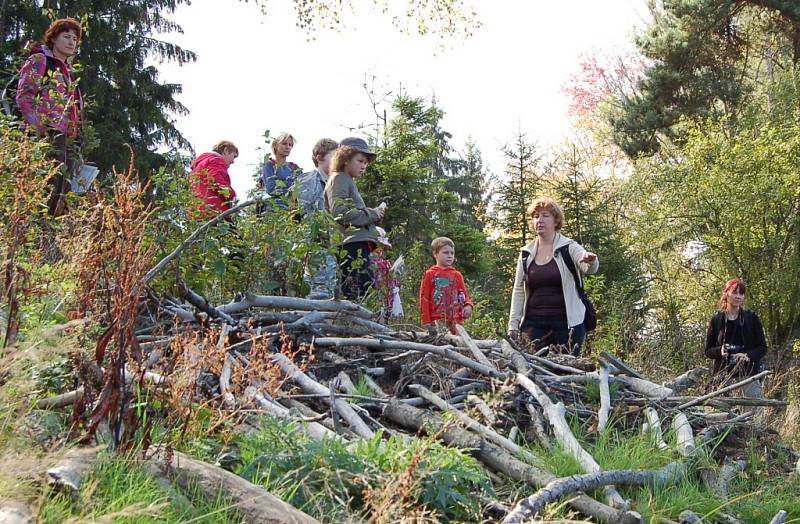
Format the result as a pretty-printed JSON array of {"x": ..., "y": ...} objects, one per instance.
[{"x": 467, "y": 311}]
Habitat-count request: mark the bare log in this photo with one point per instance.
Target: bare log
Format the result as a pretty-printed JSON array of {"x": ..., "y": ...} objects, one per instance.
[
  {"x": 654, "y": 427},
  {"x": 447, "y": 352},
  {"x": 619, "y": 364},
  {"x": 779, "y": 517},
  {"x": 484, "y": 409},
  {"x": 473, "y": 348},
  {"x": 687, "y": 380},
  {"x": 315, "y": 430},
  {"x": 59, "y": 401},
  {"x": 13, "y": 512},
  {"x": 555, "y": 414},
  {"x": 253, "y": 503},
  {"x": 518, "y": 361},
  {"x": 729, "y": 470},
  {"x": 605, "y": 400},
  {"x": 374, "y": 387},
  {"x": 530, "y": 506},
  {"x": 200, "y": 302},
  {"x": 472, "y": 424},
  {"x": 346, "y": 384},
  {"x": 538, "y": 427},
  {"x": 700, "y": 400},
  {"x": 343, "y": 306},
  {"x": 499, "y": 460},
  {"x": 683, "y": 434},
  {"x": 307, "y": 384},
  {"x": 70, "y": 471}
]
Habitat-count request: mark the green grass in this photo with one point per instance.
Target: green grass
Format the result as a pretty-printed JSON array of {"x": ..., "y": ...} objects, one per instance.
[
  {"x": 329, "y": 480},
  {"x": 119, "y": 488}
]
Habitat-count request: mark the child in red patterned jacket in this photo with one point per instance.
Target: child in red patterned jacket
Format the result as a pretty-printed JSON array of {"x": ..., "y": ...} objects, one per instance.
[{"x": 443, "y": 296}]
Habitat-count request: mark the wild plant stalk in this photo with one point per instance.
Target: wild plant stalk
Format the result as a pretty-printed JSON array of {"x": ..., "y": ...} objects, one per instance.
[{"x": 25, "y": 177}]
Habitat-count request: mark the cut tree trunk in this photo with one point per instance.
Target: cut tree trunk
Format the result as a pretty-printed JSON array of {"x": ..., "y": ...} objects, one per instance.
[{"x": 253, "y": 503}]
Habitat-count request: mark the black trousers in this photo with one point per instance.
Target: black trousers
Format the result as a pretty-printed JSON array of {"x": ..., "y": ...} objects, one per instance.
[
  {"x": 64, "y": 153},
  {"x": 356, "y": 269}
]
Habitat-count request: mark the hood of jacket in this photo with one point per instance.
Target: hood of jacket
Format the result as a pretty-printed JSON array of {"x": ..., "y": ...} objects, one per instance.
[
  {"x": 558, "y": 242},
  {"x": 205, "y": 159}
]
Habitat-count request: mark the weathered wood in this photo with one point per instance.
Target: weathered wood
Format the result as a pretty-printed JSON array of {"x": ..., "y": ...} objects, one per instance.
[
  {"x": 484, "y": 409},
  {"x": 472, "y": 424},
  {"x": 654, "y": 427},
  {"x": 346, "y": 384},
  {"x": 201, "y": 303},
  {"x": 473, "y": 348},
  {"x": 518, "y": 362},
  {"x": 729, "y": 470},
  {"x": 499, "y": 460},
  {"x": 447, "y": 352},
  {"x": 530, "y": 506},
  {"x": 605, "y": 400},
  {"x": 537, "y": 422},
  {"x": 13, "y": 512},
  {"x": 374, "y": 387},
  {"x": 779, "y": 517},
  {"x": 70, "y": 471},
  {"x": 307, "y": 384},
  {"x": 687, "y": 380},
  {"x": 59, "y": 401},
  {"x": 315, "y": 430},
  {"x": 683, "y": 434},
  {"x": 619, "y": 364},
  {"x": 720, "y": 391},
  {"x": 253, "y": 503},
  {"x": 251, "y": 300},
  {"x": 555, "y": 415}
]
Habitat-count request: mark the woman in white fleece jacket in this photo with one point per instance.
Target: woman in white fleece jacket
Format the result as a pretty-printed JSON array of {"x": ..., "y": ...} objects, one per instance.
[{"x": 544, "y": 303}]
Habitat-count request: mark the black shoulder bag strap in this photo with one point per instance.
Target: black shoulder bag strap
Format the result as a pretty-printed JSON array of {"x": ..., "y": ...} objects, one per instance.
[{"x": 564, "y": 252}]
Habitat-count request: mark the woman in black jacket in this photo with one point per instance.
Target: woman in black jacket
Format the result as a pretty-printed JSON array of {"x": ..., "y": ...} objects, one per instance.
[{"x": 735, "y": 339}]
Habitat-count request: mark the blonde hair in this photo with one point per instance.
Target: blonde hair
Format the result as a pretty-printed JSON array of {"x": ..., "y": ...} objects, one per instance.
[
  {"x": 322, "y": 148},
  {"x": 224, "y": 145},
  {"x": 547, "y": 203},
  {"x": 440, "y": 242},
  {"x": 280, "y": 139}
]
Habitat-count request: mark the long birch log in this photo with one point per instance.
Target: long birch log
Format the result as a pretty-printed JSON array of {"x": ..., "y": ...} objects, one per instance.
[
  {"x": 447, "y": 352},
  {"x": 309, "y": 385},
  {"x": 315, "y": 430},
  {"x": 653, "y": 426},
  {"x": 472, "y": 424},
  {"x": 699, "y": 400},
  {"x": 499, "y": 460},
  {"x": 253, "y": 503},
  {"x": 555, "y": 414},
  {"x": 683, "y": 435},
  {"x": 530, "y": 506},
  {"x": 70, "y": 471},
  {"x": 605, "y": 400},
  {"x": 518, "y": 361},
  {"x": 473, "y": 348},
  {"x": 266, "y": 301}
]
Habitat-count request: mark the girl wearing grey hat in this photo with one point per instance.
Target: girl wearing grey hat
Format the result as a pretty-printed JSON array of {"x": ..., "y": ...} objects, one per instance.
[{"x": 356, "y": 221}]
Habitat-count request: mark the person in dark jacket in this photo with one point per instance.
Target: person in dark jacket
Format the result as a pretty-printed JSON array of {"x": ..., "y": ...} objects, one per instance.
[
  {"x": 735, "y": 339},
  {"x": 50, "y": 101}
]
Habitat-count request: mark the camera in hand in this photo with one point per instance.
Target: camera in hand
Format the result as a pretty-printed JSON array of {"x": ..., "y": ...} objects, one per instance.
[{"x": 734, "y": 349}]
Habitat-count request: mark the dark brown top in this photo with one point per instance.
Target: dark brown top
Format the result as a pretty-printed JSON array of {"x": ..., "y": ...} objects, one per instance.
[{"x": 545, "y": 295}]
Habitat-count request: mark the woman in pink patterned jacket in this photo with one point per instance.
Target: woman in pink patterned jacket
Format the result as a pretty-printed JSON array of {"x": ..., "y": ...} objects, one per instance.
[{"x": 50, "y": 101}]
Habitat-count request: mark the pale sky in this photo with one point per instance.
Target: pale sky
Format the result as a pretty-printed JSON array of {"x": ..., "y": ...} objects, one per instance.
[{"x": 256, "y": 72}]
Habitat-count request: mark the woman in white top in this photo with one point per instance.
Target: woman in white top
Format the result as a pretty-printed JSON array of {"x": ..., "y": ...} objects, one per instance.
[{"x": 545, "y": 304}]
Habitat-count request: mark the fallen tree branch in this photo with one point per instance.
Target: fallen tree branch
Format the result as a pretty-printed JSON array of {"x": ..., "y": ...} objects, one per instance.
[
  {"x": 445, "y": 351},
  {"x": 343, "y": 306},
  {"x": 605, "y": 400},
  {"x": 530, "y": 506},
  {"x": 473, "y": 348},
  {"x": 253, "y": 503},
  {"x": 700, "y": 400}
]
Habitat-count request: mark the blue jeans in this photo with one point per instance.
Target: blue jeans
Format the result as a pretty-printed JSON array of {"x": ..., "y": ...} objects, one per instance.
[{"x": 547, "y": 330}]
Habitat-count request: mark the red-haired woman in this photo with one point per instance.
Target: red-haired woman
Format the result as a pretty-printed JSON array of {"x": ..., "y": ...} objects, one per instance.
[
  {"x": 49, "y": 99},
  {"x": 735, "y": 339}
]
